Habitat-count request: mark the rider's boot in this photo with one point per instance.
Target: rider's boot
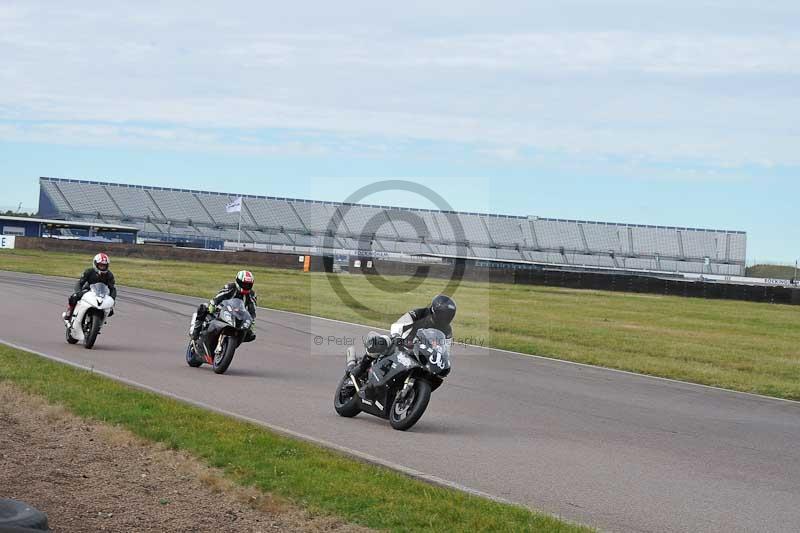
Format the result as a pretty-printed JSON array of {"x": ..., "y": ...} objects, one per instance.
[
  {"x": 360, "y": 370},
  {"x": 197, "y": 326},
  {"x": 199, "y": 320},
  {"x": 67, "y": 315}
]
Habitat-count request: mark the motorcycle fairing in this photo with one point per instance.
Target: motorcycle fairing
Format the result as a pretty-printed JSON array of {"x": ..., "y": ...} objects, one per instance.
[{"x": 96, "y": 298}]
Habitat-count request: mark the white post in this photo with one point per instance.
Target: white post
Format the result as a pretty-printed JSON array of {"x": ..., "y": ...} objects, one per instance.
[{"x": 795, "y": 271}]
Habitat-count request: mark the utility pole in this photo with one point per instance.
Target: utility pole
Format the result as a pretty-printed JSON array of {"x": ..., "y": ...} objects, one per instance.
[{"x": 794, "y": 279}]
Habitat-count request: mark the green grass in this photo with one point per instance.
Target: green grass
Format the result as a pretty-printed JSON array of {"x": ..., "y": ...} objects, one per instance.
[
  {"x": 743, "y": 346},
  {"x": 319, "y": 480}
]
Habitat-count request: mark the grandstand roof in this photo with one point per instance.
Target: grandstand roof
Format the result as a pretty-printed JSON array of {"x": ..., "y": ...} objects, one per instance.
[{"x": 382, "y": 207}]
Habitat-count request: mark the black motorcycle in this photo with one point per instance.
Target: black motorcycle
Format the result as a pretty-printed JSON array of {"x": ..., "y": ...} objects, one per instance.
[
  {"x": 398, "y": 385},
  {"x": 223, "y": 332}
]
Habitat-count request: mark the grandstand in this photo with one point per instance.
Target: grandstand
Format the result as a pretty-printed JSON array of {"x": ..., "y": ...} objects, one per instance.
[{"x": 198, "y": 218}]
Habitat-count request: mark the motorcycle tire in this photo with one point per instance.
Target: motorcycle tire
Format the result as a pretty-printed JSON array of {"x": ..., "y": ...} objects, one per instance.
[
  {"x": 228, "y": 350},
  {"x": 404, "y": 415},
  {"x": 191, "y": 360},
  {"x": 347, "y": 405},
  {"x": 94, "y": 331},
  {"x": 19, "y": 516},
  {"x": 70, "y": 339}
]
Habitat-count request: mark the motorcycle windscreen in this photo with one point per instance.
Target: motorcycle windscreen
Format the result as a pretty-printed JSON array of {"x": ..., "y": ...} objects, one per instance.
[
  {"x": 236, "y": 310},
  {"x": 434, "y": 351},
  {"x": 100, "y": 290}
]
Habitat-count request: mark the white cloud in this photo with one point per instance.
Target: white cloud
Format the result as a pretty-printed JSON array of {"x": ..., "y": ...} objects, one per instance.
[{"x": 172, "y": 76}]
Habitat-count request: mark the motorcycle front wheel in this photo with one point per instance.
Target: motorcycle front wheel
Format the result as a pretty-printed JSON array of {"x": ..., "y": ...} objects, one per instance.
[
  {"x": 94, "y": 331},
  {"x": 225, "y": 359},
  {"x": 346, "y": 399},
  {"x": 406, "y": 412}
]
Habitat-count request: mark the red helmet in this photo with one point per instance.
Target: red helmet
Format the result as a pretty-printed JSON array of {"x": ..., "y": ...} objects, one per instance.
[
  {"x": 101, "y": 262},
  {"x": 245, "y": 281}
]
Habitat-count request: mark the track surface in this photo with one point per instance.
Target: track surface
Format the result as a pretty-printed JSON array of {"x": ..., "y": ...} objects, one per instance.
[{"x": 616, "y": 451}]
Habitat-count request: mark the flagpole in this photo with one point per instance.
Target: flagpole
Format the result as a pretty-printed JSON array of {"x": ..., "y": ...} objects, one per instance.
[{"x": 240, "y": 224}]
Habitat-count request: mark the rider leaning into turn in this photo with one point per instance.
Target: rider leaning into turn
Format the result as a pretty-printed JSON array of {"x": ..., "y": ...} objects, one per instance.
[
  {"x": 439, "y": 316},
  {"x": 99, "y": 273},
  {"x": 242, "y": 288}
]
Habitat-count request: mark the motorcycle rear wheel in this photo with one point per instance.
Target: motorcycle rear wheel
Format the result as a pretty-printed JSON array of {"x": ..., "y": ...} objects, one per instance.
[
  {"x": 70, "y": 338},
  {"x": 405, "y": 413},
  {"x": 346, "y": 400},
  {"x": 191, "y": 360}
]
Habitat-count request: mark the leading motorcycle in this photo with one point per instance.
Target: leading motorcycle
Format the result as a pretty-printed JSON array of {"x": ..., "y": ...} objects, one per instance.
[
  {"x": 398, "y": 386},
  {"x": 223, "y": 332},
  {"x": 89, "y": 315}
]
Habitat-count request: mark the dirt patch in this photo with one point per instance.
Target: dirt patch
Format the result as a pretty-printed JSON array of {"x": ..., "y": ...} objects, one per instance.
[{"x": 93, "y": 477}]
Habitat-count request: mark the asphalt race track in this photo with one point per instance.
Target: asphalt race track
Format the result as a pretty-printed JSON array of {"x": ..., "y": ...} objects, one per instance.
[{"x": 613, "y": 450}]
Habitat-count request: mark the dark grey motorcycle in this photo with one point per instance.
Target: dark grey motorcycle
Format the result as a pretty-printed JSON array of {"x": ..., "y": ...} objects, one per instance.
[
  {"x": 398, "y": 385},
  {"x": 223, "y": 332}
]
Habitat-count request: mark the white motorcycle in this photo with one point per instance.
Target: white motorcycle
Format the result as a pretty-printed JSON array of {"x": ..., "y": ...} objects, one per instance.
[{"x": 89, "y": 316}]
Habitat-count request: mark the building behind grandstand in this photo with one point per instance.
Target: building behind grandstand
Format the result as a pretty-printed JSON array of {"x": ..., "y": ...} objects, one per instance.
[{"x": 200, "y": 219}]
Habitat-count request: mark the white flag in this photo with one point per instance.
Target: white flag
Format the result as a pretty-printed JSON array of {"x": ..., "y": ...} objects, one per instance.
[{"x": 235, "y": 206}]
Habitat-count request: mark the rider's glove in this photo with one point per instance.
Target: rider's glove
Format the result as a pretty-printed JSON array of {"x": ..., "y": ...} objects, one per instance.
[{"x": 212, "y": 307}]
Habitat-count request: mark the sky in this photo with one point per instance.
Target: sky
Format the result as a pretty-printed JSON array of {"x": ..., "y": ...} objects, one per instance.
[{"x": 683, "y": 113}]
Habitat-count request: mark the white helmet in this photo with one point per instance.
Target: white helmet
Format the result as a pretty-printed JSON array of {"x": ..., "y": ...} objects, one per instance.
[{"x": 101, "y": 263}]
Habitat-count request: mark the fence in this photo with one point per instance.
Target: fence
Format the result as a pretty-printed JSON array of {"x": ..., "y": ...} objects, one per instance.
[{"x": 593, "y": 280}]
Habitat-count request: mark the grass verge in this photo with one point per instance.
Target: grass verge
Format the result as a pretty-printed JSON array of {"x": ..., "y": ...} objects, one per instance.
[
  {"x": 318, "y": 480},
  {"x": 743, "y": 346}
]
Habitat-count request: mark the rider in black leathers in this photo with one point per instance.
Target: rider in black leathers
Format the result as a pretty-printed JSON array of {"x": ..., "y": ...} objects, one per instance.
[
  {"x": 241, "y": 288},
  {"x": 439, "y": 316},
  {"x": 99, "y": 273}
]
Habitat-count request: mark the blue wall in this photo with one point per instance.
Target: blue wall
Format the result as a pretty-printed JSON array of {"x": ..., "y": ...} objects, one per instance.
[{"x": 32, "y": 229}]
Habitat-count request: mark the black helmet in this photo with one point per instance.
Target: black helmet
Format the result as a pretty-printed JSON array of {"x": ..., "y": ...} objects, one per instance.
[{"x": 443, "y": 310}]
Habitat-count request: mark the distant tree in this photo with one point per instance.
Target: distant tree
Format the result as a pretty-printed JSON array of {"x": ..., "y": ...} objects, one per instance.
[{"x": 10, "y": 213}]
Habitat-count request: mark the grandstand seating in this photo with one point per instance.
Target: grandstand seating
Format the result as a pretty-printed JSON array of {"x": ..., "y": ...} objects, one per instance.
[{"x": 197, "y": 216}]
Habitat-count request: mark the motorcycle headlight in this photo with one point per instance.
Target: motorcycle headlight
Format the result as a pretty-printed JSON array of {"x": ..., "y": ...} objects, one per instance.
[
  {"x": 227, "y": 317},
  {"x": 247, "y": 324}
]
